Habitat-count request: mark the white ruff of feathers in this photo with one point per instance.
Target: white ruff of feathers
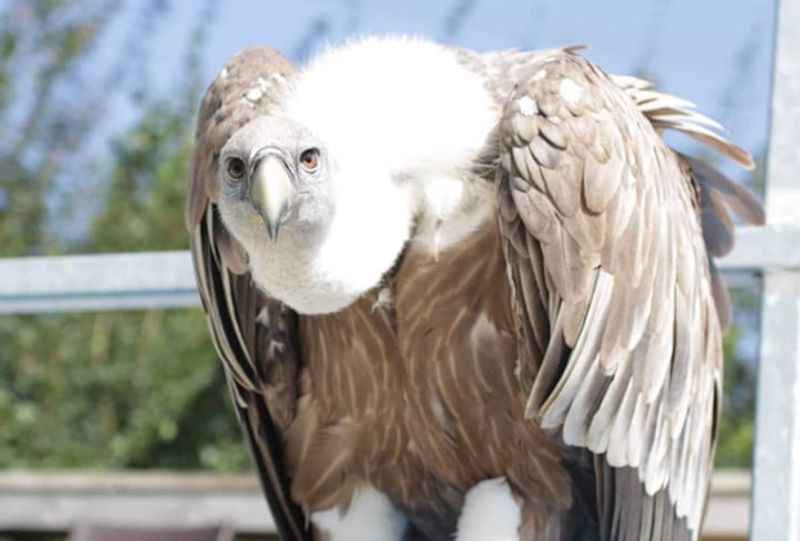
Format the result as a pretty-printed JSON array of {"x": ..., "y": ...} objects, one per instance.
[{"x": 402, "y": 120}]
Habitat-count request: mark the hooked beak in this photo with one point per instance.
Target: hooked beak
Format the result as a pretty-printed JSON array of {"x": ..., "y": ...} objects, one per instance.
[{"x": 271, "y": 189}]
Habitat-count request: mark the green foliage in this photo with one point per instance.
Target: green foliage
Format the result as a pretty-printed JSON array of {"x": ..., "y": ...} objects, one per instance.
[
  {"x": 112, "y": 389},
  {"x": 134, "y": 389},
  {"x": 738, "y": 408}
]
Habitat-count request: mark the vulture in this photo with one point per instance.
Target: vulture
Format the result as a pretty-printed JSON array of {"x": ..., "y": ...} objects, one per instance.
[{"x": 463, "y": 295}]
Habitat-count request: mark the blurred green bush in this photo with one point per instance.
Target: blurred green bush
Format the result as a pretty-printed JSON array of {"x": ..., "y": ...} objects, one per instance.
[{"x": 110, "y": 389}]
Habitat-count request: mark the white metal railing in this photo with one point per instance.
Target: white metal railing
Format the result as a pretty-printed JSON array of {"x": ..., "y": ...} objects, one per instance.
[
  {"x": 97, "y": 282},
  {"x": 776, "y": 468},
  {"x": 166, "y": 279}
]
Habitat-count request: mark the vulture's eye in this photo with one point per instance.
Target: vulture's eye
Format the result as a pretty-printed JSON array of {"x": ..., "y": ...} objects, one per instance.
[
  {"x": 309, "y": 159},
  {"x": 236, "y": 167}
]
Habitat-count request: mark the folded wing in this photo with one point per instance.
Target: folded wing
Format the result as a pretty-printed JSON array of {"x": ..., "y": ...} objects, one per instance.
[
  {"x": 254, "y": 335},
  {"x": 611, "y": 280}
]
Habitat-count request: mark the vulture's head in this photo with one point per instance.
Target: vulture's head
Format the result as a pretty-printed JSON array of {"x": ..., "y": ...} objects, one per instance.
[
  {"x": 319, "y": 227},
  {"x": 274, "y": 175},
  {"x": 360, "y": 158}
]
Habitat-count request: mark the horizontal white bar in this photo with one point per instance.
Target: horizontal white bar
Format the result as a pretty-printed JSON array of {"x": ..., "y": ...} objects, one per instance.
[
  {"x": 166, "y": 279},
  {"x": 56, "y": 501},
  {"x": 97, "y": 282},
  {"x": 770, "y": 247}
]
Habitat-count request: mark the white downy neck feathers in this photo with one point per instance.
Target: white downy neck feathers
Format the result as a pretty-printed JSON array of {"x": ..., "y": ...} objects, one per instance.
[{"x": 402, "y": 120}]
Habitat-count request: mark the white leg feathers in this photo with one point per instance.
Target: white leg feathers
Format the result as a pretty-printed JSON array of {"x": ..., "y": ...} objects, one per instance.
[
  {"x": 370, "y": 517},
  {"x": 490, "y": 513}
]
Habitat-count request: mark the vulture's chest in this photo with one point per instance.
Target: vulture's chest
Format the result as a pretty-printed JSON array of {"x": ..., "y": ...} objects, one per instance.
[{"x": 414, "y": 385}]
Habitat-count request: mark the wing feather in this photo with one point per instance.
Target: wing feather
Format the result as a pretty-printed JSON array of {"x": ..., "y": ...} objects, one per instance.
[
  {"x": 254, "y": 335},
  {"x": 633, "y": 365}
]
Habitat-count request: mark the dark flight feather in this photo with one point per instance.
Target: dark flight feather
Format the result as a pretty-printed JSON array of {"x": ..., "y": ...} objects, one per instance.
[{"x": 232, "y": 302}]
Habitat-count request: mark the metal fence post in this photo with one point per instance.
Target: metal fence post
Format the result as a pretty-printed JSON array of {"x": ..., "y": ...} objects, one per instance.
[{"x": 776, "y": 486}]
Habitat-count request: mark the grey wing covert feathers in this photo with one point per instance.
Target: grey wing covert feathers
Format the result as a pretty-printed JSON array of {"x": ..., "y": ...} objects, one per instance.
[
  {"x": 619, "y": 335},
  {"x": 254, "y": 335}
]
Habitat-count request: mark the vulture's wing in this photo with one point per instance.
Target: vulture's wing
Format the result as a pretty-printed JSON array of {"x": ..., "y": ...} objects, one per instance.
[
  {"x": 619, "y": 333},
  {"x": 254, "y": 335}
]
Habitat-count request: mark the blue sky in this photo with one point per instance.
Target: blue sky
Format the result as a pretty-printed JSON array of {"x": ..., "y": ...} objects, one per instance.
[{"x": 716, "y": 53}]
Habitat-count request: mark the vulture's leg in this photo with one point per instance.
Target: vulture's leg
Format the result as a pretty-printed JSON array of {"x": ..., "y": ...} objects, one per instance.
[
  {"x": 369, "y": 517},
  {"x": 490, "y": 513},
  {"x": 493, "y": 511}
]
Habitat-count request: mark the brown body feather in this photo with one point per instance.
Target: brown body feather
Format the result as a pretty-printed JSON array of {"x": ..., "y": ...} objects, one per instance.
[{"x": 418, "y": 397}]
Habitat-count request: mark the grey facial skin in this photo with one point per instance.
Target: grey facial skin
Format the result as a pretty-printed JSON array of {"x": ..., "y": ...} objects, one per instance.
[{"x": 274, "y": 169}]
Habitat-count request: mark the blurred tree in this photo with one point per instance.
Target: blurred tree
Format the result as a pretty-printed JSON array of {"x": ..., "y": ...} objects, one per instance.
[
  {"x": 737, "y": 421},
  {"x": 107, "y": 390}
]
